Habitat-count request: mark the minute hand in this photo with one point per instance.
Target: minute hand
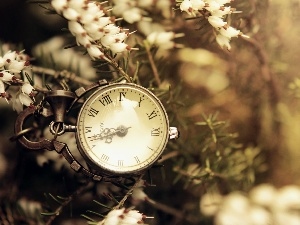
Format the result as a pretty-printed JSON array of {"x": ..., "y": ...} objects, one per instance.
[{"x": 108, "y": 133}]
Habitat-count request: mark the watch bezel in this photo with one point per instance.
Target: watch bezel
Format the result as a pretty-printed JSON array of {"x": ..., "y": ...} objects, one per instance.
[{"x": 106, "y": 171}]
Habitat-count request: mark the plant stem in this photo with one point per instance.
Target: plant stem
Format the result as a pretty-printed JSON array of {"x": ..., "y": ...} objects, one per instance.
[
  {"x": 66, "y": 74},
  {"x": 79, "y": 191},
  {"x": 152, "y": 64}
]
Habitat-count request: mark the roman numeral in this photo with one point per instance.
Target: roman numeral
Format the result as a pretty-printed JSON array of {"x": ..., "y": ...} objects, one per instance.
[
  {"x": 120, "y": 162},
  {"x": 105, "y": 100},
  {"x": 137, "y": 159},
  {"x": 104, "y": 157},
  {"x": 122, "y": 95},
  {"x": 87, "y": 129},
  {"x": 93, "y": 112},
  {"x": 155, "y": 132},
  {"x": 151, "y": 115},
  {"x": 140, "y": 101}
]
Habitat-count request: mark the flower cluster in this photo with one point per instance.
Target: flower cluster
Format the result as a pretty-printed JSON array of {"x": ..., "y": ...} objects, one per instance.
[
  {"x": 12, "y": 63},
  {"x": 92, "y": 28},
  {"x": 264, "y": 205},
  {"x": 123, "y": 217},
  {"x": 133, "y": 11},
  {"x": 164, "y": 39},
  {"x": 214, "y": 11}
]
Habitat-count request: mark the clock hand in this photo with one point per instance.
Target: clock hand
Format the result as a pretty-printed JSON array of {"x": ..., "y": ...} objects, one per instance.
[{"x": 108, "y": 134}]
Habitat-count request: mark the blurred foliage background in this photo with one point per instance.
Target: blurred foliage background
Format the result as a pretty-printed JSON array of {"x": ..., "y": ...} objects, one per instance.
[{"x": 238, "y": 111}]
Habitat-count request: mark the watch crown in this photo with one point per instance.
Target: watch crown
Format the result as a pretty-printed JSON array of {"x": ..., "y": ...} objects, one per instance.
[{"x": 173, "y": 132}]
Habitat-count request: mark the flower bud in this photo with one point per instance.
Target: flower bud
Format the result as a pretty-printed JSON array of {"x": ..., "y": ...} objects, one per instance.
[
  {"x": 216, "y": 21},
  {"x": 6, "y": 76},
  {"x": 27, "y": 89},
  {"x": 16, "y": 67},
  {"x": 59, "y": 5},
  {"x": 75, "y": 28},
  {"x": 25, "y": 99},
  {"x": 70, "y": 14},
  {"x": 223, "y": 41}
]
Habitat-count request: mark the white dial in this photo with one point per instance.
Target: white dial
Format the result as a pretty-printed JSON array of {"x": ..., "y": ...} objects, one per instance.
[{"x": 122, "y": 128}]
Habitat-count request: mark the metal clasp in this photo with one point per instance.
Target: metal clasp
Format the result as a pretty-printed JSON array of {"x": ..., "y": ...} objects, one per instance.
[{"x": 173, "y": 132}]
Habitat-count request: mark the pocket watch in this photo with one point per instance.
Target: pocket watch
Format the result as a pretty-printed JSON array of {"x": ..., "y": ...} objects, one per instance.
[{"x": 121, "y": 128}]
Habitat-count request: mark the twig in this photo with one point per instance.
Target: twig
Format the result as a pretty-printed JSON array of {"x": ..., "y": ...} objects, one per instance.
[
  {"x": 129, "y": 192},
  {"x": 79, "y": 191},
  {"x": 165, "y": 208},
  {"x": 152, "y": 64},
  {"x": 168, "y": 156},
  {"x": 66, "y": 74}
]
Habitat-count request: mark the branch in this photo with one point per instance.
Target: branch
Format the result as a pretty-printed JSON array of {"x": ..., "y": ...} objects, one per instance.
[
  {"x": 152, "y": 63},
  {"x": 66, "y": 74},
  {"x": 79, "y": 191}
]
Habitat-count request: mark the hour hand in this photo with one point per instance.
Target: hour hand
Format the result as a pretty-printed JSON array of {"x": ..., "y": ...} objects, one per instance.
[{"x": 108, "y": 133}]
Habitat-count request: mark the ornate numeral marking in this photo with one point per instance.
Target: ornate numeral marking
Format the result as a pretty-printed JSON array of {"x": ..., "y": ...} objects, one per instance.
[
  {"x": 104, "y": 157},
  {"x": 87, "y": 129},
  {"x": 105, "y": 100},
  {"x": 151, "y": 115},
  {"x": 120, "y": 162},
  {"x": 93, "y": 112},
  {"x": 155, "y": 132},
  {"x": 140, "y": 101},
  {"x": 122, "y": 95},
  {"x": 137, "y": 159}
]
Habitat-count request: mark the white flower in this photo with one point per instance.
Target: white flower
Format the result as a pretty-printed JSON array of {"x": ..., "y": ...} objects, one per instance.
[
  {"x": 138, "y": 196},
  {"x": 213, "y": 5},
  {"x": 83, "y": 39},
  {"x": 77, "y": 4},
  {"x": 123, "y": 217},
  {"x": 197, "y": 4},
  {"x": 27, "y": 89},
  {"x": 25, "y": 99},
  {"x": 10, "y": 56},
  {"x": 223, "y": 41},
  {"x": 263, "y": 195},
  {"x": 70, "y": 14},
  {"x": 111, "y": 29},
  {"x": 259, "y": 216},
  {"x": 76, "y": 28},
  {"x": 6, "y": 76},
  {"x": 210, "y": 203},
  {"x": 221, "y": 12},
  {"x": 119, "y": 47},
  {"x": 229, "y": 32},
  {"x": 234, "y": 210},
  {"x": 107, "y": 40},
  {"x": 103, "y": 21},
  {"x": 163, "y": 39},
  {"x": 16, "y": 67},
  {"x": 186, "y": 6},
  {"x": 216, "y": 21},
  {"x": 2, "y": 89},
  {"x": 59, "y": 5},
  {"x": 30, "y": 208},
  {"x": 95, "y": 52},
  {"x": 132, "y": 15}
]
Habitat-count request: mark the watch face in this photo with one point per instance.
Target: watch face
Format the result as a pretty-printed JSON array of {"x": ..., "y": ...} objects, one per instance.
[{"x": 122, "y": 128}]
